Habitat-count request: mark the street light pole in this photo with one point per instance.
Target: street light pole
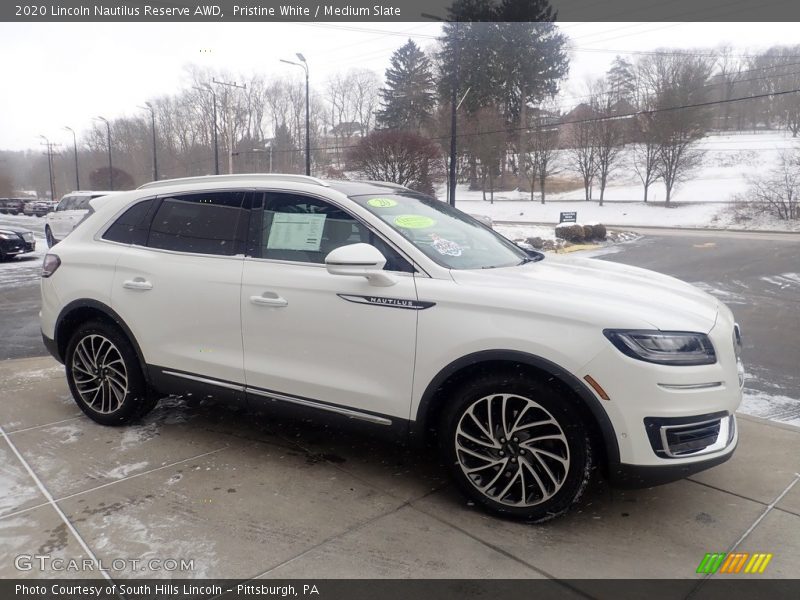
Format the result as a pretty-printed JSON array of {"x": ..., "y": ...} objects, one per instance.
[
  {"x": 304, "y": 64},
  {"x": 229, "y": 128},
  {"x": 110, "y": 166},
  {"x": 75, "y": 149},
  {"x": 148, "y": 106},
  {"x": 50, "y": 167},
  {"x": 208, "y": 88}
]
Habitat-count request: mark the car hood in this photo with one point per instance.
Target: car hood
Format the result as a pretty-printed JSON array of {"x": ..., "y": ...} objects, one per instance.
[
  {"x": 14, "y": 229},
  {"x": 611, "y": 291}
]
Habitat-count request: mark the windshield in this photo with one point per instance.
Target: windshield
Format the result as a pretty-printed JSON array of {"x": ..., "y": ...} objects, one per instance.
[{"x": 446, "y": 235}]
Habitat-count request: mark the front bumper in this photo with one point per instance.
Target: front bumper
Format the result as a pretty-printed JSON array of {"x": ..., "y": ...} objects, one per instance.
[
  {"x": 670, "y": 421},
  {"x": 17, "y": 247},
  {"x": 637, "y": 476}
]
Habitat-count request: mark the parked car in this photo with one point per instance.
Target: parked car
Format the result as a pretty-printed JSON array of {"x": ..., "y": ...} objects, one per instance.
[
  {"x": 38, "y": 208},
  {"x": 70, "y": 211},
  {"x": 12, "y": 206},
  {"x": 371, "y": 302},
  {"x": 15, "y": 241}
]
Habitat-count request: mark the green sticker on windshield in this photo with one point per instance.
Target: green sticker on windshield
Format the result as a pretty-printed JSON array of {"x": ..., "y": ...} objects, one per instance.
[
  {"x": 382, "y": 202},
  {"x": 414, "y": 221}
]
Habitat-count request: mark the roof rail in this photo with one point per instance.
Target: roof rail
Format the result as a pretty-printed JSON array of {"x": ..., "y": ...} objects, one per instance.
[{"x": 236, "y": 177}]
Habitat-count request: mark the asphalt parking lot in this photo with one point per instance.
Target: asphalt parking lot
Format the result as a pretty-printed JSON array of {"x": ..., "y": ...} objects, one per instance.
[{"x": 248, "y": 496}]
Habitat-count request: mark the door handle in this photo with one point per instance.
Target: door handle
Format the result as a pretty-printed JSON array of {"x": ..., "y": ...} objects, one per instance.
[
  {"x": 269, "y": 299},
  {"x": 137, "y": 284}
]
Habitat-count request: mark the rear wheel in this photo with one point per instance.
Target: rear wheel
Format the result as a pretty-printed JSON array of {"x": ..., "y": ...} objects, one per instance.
[
  {"x": 516, "y": 446},
  {"x": 104, "y": 375}
]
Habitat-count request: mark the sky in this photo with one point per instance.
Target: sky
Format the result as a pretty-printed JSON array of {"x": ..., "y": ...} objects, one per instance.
[{"x": 64, "y": 74}]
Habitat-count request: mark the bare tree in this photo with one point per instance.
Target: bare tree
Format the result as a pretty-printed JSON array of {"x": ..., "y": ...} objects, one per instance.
[
  {"x": 609, "y": 134},
  {"x": 540, "y": 162},
  {"x": 778, "y": 192},
  {"x": 676, "y": 83},
  {"x": 486, "y": 141},
  {"x": 397, "y": 156},
  {"x": 582, "y": 146}
]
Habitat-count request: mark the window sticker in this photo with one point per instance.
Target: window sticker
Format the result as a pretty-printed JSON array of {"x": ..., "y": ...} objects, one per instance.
[
  {"x": 382, "y": 202},
  {"x": 445, "y": 247},
  {"x": 292, "y": 231},
  {"x": 414, "y": 221}
]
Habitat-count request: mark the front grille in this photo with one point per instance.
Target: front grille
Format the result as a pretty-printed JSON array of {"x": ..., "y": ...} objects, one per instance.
[
  {"x": 689, "y": 439},
  {"x": 690, "y": 436}
]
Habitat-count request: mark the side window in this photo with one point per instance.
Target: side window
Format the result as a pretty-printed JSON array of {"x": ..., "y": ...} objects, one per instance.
[
  {"x": 65, "y": 204},
  {"x": 205, "y": 223},
  {"x": 81, "y": 203},
  {"x": 131, "y": 227},
  {"x": 305, "y": 229}
]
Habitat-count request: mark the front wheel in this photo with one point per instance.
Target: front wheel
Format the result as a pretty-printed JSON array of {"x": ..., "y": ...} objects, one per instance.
[
  {"x": 104, "y": 375},
  {"x": 517, "y": 447}
]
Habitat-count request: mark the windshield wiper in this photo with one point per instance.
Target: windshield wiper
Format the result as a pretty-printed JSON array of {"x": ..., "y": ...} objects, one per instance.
[{"x": 530, "y": 259}]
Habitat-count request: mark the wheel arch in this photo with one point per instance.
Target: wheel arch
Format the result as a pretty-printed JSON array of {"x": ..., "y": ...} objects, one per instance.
[
  {"x": 435, "y": 395},
  {"x": 83, "y": 310}
]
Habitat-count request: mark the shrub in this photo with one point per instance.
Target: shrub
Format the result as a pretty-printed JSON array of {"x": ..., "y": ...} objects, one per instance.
[
  {"x": 570, "y": 232},
  {"x": 588, "y": 232},
  {"x": 599, "y": 231}
]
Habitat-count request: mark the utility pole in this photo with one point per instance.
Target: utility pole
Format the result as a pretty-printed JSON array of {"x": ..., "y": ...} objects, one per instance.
[
  {"x": 229, "y": 84},
  {"x": 75, "y": 149},
  {"x": 304, "y": 65},
  {"x": 110, "y": 167},
  {"x": 50, "y": 155},
  {"x": 454, "y": 103},
  {"x": 208, "y": 88},
  {"x": 148, "y": 106}
]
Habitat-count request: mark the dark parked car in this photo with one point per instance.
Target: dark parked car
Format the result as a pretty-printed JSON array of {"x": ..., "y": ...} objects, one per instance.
[
  {"x": 12, "y": 206},
  {"x": 15, "y": 241},
  {"x": 38, "y": 208}
]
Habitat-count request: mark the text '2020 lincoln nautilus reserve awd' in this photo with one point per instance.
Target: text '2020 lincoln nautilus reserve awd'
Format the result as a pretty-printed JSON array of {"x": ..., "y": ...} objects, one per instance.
[{"x": 369, "y": 301}]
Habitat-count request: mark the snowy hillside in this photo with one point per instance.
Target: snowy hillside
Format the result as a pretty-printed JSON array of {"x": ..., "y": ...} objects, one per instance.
[{"x": 702, "y": 201}]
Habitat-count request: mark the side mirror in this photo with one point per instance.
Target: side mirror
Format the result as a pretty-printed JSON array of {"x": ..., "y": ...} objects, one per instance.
[{"x": 359, "y": 260}]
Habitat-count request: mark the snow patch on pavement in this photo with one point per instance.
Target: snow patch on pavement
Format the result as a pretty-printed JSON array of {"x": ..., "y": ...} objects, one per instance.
[
  {"x": 123, "y": 471},
  {"x": 775, "y": 407}
]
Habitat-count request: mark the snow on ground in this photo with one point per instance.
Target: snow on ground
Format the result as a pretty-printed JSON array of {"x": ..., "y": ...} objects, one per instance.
[
  {"x": 701, "y": 202},
  {"x": 775, "y": 407}
]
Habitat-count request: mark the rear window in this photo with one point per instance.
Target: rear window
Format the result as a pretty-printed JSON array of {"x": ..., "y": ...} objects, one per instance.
[
  {"x": 81, "y": 203},
  {"x": 205, "y": 223},
  {"x": 132, "y": 226}
]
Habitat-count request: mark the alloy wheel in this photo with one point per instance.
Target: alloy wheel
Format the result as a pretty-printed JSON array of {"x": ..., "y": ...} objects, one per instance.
[
  {"x": 512, "y": 450},
  {"x": 99, "y": 373}
]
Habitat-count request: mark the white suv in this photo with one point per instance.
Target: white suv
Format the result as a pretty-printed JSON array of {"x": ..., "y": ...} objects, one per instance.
[
  {"x": 67, "y": 214},
  {"x": 370, "y": 302}
]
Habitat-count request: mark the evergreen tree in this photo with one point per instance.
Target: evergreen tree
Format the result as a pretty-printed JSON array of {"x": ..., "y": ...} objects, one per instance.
[
  {"x": 408, "y": 99},
  {"x": 621, "y": 80}
]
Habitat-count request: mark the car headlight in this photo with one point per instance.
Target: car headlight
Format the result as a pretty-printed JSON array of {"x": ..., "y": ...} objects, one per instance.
[
  {"x": 664, "y": 347},
  {"x": 8, "y": 236}
]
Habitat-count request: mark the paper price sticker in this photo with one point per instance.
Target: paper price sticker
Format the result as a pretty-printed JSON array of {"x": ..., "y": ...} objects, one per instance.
[{"x": 414, "y": 221}]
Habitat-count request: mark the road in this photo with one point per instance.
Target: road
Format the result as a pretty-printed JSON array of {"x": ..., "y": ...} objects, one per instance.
[{"x": 757, "y": 274}]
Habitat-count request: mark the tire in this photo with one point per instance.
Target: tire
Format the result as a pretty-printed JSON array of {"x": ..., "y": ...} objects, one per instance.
[
  {"x": 48, "y": 235},
  {"x": 104, "y": 375},
  {"x": 532, "y": 466}
]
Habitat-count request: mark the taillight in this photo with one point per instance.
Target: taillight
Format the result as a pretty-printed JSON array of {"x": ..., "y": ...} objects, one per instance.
[{"x": 51, "y": 263}]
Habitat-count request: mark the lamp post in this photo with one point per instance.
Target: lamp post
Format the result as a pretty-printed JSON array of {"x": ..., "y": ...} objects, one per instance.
[
  {"x": 75, "y": 149},
  {"x": 148, "y": 106},
  {"x": 110, "y": 166},
  {"x": 208, "y": 88},
  {"x": 304, "y": 65},
  {"x": 50, "y": 167}
]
